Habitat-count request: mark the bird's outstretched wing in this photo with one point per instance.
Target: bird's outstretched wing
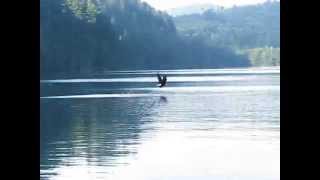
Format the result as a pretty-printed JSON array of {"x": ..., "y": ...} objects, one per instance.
[
  {"x": 164, "y": 79},
  {"x": 159, "y": 78}
]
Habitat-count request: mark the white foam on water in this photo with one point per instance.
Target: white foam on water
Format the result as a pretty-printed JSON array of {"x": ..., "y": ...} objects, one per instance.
[
  {"x": 211, "y": 89},
  {"x": 150, "y": 79},
  {"x": 173, "y": 90},
  {"x": 98, "y": 96}
]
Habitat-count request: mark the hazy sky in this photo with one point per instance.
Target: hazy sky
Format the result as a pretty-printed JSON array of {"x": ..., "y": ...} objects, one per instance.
[{"x": 168, "y": 4}]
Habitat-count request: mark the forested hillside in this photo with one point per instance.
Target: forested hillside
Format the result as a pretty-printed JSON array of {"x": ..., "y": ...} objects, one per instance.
[
  {"x": 81, "y": 37},
  {"x": 238, "y": 27},
  {"x": 253, "y": 29}
]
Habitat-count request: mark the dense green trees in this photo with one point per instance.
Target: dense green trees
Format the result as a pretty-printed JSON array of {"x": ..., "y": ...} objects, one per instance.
[
  {"x": 81, "y": 37},
  {"x": 238, "y": 27},
  {"x": 246, "y": 29},
  {"x": 86, "y": 10}
]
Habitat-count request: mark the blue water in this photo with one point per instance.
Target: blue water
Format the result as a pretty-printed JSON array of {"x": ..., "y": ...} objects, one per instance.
[{"x": 205, "y": 124}]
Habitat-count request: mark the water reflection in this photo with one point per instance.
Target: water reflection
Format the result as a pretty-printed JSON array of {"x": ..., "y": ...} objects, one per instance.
[
  {"x": 188, "y": 130},
  {"x": 163, "y": 99},
  {"x": 91, "y": 132}
]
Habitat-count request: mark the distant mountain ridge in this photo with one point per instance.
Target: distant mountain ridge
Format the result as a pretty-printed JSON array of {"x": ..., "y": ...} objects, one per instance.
[
  {"x": 192, "y": 9},
  {"x": 253, "y": 30},
  {"x": 238, "y": 27}
]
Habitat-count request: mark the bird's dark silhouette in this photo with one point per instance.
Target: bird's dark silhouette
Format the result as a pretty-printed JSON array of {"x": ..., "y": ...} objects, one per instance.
[{"x": 162, "y": 80}]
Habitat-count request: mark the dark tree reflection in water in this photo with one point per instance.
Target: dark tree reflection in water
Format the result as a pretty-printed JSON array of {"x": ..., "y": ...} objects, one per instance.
[{"x": 95, "y": 130}]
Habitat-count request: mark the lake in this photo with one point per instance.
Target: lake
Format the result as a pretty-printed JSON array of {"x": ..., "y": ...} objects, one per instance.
[{"x": 205, "y": 124}]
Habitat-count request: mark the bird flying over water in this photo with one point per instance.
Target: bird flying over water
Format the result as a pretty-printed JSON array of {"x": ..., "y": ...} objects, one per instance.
[{"x": 162, "y": 81}]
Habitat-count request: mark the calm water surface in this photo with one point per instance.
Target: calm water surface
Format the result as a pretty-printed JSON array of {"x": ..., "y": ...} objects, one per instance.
[{"x": 206, "y": 124}]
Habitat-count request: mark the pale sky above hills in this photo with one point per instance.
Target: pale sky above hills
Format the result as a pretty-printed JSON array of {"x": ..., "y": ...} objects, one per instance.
[{"x": 169, "y": 4}]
